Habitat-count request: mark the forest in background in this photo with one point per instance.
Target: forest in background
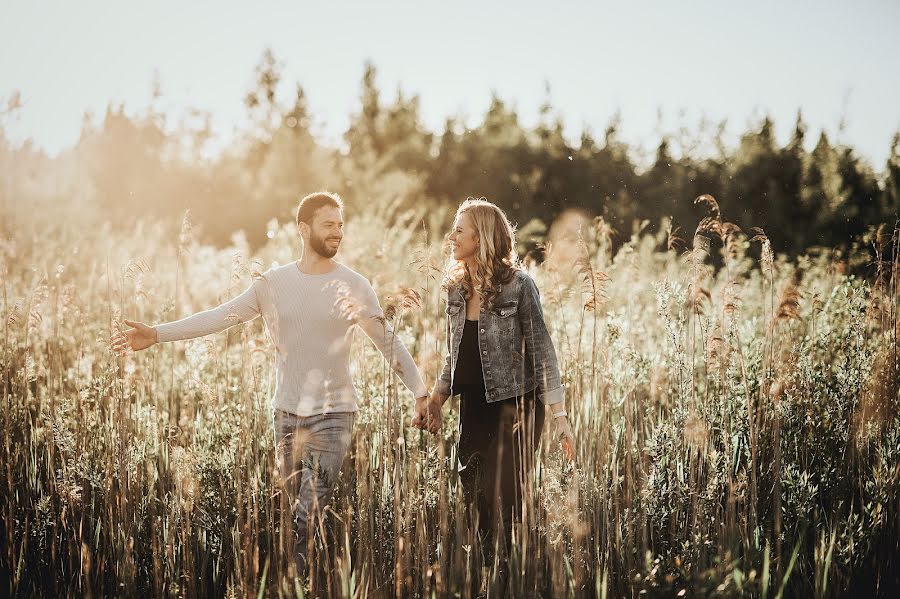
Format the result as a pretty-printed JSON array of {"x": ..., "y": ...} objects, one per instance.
[{"x": 136, "y": 165}]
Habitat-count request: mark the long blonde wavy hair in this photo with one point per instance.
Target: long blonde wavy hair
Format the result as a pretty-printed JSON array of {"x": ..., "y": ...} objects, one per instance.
[{"x": 496, "y": 261}]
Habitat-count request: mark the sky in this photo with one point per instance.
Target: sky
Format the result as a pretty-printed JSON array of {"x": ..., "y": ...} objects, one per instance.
[{"x": 660, "y": 65}]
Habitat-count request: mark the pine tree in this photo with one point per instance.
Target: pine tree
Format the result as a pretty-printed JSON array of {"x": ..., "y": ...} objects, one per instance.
[
  {"x": 789, "y": 175},
  {"x": 859, "y": 189},
  {"x": 364, "y": 137},
  {"x": 890, "y": 204},
  {"x": 821, "y": 193},
  {"x": 407, "y": 144},
  {"x": 752, "y": 188}
]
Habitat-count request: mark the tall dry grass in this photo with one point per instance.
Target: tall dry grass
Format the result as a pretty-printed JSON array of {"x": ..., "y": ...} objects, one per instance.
[{"x": 736, "y": 422}]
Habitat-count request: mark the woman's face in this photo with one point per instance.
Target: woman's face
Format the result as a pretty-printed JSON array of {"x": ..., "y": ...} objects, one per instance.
[{"x": 463, "y": 239}]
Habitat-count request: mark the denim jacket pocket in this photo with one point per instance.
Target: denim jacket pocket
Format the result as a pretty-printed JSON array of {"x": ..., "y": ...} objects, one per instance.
[
  {"x": 504, "y": 322},
  {"x": 505, "y": 309}
]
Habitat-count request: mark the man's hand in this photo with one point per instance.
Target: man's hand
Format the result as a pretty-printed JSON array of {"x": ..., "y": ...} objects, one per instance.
[
  {"x": 139, "y": 337},
  {"x": 428, "y": 414}
]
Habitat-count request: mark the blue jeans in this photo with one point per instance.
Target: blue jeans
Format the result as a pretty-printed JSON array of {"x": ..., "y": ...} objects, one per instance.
[{"x": 310, "y": 451}]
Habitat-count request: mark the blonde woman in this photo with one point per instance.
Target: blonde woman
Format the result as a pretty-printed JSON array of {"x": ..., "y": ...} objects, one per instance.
[{"x": 501, "y": 362}]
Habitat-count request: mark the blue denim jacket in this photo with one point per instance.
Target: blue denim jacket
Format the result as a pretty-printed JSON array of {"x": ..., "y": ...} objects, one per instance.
[{"x": 517, "y": 354}]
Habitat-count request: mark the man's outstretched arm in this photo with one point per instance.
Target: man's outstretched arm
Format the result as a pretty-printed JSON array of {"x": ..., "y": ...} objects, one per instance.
[{"x": 237, "y": 310}]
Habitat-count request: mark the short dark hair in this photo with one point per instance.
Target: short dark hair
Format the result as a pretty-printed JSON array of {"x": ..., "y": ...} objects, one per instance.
[{"x": 311, "y": 203}]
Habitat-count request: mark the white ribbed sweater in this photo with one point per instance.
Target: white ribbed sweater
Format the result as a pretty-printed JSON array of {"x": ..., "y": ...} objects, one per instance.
[{"x": 310, "y": 319}]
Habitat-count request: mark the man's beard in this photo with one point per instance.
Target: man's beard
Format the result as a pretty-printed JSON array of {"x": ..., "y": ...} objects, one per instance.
[{"x": 317, "y": 244}]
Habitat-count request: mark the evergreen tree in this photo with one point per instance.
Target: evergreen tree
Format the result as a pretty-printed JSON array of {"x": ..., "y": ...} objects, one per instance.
[
  {"x": 615, "y": 181},
  {"x": 262, "y": 108},
  {"x": 363, "y": 137},
  {"x": 891, "y": 197},
  {"x": 790, "y": 180},
  {"x": 750, "y": 184},
  {"x": 407, "y": 144},
  {"x": 860, "y": 194},
  {"x": 821, "y": 192}
]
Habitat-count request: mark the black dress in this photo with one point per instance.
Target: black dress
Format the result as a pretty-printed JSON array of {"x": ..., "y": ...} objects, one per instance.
[{"x": 497, "y": 442}]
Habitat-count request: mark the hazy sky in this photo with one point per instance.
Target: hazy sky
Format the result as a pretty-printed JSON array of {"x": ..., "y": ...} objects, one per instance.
[{"x": 719, "y": 58}]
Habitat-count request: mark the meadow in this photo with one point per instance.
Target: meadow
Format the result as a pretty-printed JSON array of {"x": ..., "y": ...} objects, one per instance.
[{"x": 735, "y": 413}]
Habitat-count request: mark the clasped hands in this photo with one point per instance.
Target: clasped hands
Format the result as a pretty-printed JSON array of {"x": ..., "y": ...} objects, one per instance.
[
  {"x": 428, "y": 412},
  {"x": 427, "y": 417}
]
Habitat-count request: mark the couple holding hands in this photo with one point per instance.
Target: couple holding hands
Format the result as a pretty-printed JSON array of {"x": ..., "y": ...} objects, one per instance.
[{"x": 500, "y": 361}]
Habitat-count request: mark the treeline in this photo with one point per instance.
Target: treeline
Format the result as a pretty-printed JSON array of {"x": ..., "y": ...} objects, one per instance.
[{"x": 129, "y": 166}]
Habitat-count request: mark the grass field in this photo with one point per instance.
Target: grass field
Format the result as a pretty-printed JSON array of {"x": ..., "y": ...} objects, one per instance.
[{"x": 736, "y": 417}]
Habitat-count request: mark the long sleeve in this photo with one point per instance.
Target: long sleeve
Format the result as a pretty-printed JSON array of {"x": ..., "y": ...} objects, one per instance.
[
  {"x": 538, "y": 344},
  {"x": 442, "y": 384},
  {"x": 371, "y": 321},
  {"x": 240, "y": 309}
]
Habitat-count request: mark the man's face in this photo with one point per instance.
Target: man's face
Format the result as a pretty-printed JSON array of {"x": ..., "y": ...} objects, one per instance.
[{"x": 326, "y": 231}]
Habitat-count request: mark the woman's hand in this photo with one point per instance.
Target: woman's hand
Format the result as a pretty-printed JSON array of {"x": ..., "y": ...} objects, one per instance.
[
  {"x": 566, "y": 438},
  {"x": 563, "y": 430}
]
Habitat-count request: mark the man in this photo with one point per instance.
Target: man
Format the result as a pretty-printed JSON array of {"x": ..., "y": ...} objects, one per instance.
[{"x": 309, "y": 307}]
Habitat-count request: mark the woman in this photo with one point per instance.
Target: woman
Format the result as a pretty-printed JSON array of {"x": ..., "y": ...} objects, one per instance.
[{"x": 501, "y": 362}]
